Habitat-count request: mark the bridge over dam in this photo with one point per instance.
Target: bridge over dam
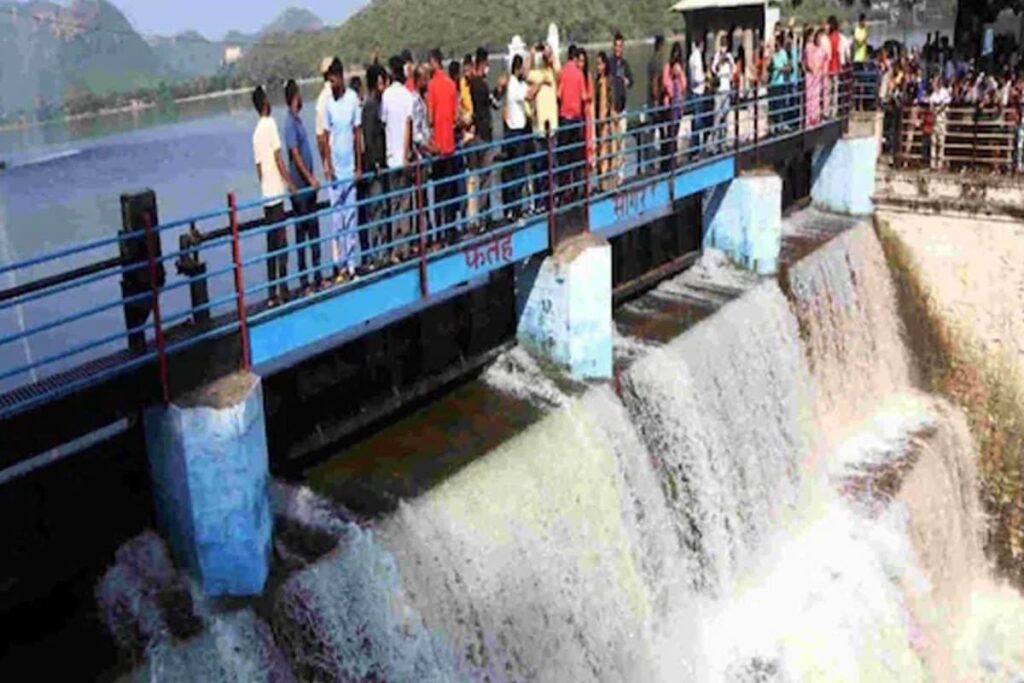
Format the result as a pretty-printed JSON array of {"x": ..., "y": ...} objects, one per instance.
[{"x": 177, "y": 416}]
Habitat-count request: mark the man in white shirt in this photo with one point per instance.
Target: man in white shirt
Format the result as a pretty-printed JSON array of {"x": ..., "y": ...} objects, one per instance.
[
  {"x": 344, "y": 169},
  {"x": 320, "y": 125},
  {"x": 396, "y": 114},
  {"x": 698, "y": 92},
  {"x": 722, "y": 67},
  {"x": 939, "y": 101},
  {"x": 516, "y": 139},
  {"x": 274, "y": 181}
]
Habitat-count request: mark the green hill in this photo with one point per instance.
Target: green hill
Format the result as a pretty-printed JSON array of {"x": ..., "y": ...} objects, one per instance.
[
  {"x": 49, "y": 52},
  {"x": 188, "y": 54},
  {"x": 456, "y": 26}
]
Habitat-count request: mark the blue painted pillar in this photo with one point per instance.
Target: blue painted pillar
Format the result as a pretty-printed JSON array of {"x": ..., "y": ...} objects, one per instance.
[
  {"x": 743, "y": 218},
  {"x": 843, "y": 176},
  {"x": 565, "y": 307},
  {"x": 208, "y": 458}
]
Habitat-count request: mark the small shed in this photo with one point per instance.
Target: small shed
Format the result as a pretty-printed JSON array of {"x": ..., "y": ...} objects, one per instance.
[
  {"x": 744, "y": 22},
  {"x": 713, "y": 16}
]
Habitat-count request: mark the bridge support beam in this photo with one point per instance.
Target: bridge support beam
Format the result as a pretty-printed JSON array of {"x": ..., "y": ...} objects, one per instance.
[
  {"x": 208, "y": 458},
  {"x": 565, "y": 307},
  {"x": 843, "y": 175},
  {"x": 743, "y": 218}
]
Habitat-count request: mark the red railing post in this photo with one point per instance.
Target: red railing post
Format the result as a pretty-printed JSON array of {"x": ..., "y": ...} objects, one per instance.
[
  {"x": 419, "y": 207},
  {"x": 154, "y": 285},
  {"x": 551, "y": 185},
  {"x": 236, "y": 258}
]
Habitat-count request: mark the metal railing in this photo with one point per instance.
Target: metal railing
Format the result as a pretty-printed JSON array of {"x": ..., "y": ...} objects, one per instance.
[
  {"x": 369, "y": 228},
  {"x": 956, "y": 138}
]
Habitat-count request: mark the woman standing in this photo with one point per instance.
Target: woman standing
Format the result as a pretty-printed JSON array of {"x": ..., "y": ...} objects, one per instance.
[
  {"x": 603, "y": 123},
  {"x": 588, "y": 108},
  {"x": 673, "y": 79},
  {"x": 813, "y": 57}
]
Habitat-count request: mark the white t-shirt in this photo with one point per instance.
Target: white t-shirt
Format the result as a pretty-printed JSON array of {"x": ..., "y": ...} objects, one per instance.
[
  {"x": 395, "y": 112},
  {"x": 515, "y": 103},
  {"x": 940, "y": 98},
  {"x": 723, "y": 68},
  {"x": 322, "y": 99},
  {"x": 696, "y": 72},
  {"x": 265, "y": 144}
]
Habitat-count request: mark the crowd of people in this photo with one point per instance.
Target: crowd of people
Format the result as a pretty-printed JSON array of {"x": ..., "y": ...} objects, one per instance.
[
  {"x": 430, "y": 128},
  {"x": 938, "y": 102}
]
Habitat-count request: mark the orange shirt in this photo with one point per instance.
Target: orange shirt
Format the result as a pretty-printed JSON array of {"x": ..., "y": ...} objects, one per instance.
[{"x": 443, "y": 105}]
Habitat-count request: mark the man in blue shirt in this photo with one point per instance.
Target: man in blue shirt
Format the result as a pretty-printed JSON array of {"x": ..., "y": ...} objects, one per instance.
[
  {"x": 300, "y": 168},
  {"x": 344, "y": 171}
]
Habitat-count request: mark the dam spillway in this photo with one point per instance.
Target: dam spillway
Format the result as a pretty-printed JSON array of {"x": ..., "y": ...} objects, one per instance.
[{"x": 768, "y": 496}]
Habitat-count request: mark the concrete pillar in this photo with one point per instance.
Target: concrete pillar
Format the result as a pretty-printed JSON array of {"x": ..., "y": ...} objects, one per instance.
[
  {"x": 208, "y": 457},
  {"x": 565, "y": 307},
  {"x": 743, "y": 218},
  {"x": 843, "y": 176}
]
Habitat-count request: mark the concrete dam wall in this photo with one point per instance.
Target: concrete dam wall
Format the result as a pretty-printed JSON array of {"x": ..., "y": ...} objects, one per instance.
[{"x": 769, "y": 496}]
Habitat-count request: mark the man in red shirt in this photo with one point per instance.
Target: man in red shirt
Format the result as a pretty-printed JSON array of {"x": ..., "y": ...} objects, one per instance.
[
  {"x": 834, "y": 64},
  {"x": 572, "y": 92},
  {"x": 442, "y": 110}
]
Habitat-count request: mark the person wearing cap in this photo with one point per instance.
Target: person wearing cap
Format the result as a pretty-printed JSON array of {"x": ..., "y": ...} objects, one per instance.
[{"x": 322, "y": 99}]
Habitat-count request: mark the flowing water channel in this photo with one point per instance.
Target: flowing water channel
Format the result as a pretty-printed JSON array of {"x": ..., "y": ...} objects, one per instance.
[{"x": 765, "y": 497}]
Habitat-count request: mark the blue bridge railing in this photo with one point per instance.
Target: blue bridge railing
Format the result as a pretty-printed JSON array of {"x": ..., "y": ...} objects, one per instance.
[{"x": 376, "y": 245}]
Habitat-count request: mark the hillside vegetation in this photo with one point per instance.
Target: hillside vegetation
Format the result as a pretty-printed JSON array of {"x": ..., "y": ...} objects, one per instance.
[{"x": 456, "y": 26}]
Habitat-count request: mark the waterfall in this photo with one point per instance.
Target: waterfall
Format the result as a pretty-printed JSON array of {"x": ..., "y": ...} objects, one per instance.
[{"x": 768, "y": 498}]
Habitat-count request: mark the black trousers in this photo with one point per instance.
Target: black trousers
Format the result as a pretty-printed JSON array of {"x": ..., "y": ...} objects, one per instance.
[
  {"x": 445, "y": 194},
  {"x": 277, "y": 239},
  {"x": 701, "y": 108},
  {"x": 307, "y": 237},
  {"x": 570, "y": 154},
  {"x": 516, "y": 143}
]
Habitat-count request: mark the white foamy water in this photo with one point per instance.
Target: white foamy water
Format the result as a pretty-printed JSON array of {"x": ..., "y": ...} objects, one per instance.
[{"x": 769, "y": 500}]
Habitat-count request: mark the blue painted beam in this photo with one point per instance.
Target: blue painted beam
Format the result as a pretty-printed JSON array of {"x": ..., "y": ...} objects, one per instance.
[{"x": 274, "y": 339}]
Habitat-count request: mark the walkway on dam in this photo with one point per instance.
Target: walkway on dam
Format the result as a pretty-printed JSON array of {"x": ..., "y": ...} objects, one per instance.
[{"x": 214, "y": 318}]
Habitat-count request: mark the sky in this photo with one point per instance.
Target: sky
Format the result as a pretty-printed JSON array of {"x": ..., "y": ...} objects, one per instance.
[{"x": 214, "y": 19}]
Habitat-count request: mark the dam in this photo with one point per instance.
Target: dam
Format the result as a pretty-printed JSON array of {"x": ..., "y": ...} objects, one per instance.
[
  {"x": 729, "y": 510},
  {"x": 767, "y": 484}
]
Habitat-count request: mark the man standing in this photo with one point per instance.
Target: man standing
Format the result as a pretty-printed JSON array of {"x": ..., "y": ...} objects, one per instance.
[
  {"x": 396, "y": 115},
  {"x": 320, "y": 125},
  {"x": 722, "y": 66},
  {"x": 656, "y": 112},
  {"x": 835, "y": 63},
  {"x": 344, "y": 169},
  {"x": 572, "y": 89},
  {"x": 621, "y": 80},
  {"x": 542, "y": 95},
  {"x": 300, "y": 168},
  {"x": 442, "y": 109},
  {"x": 483, "y": 156},
  {"x": 939, "y": 102},
  {"x": 698, "y": 96},
  {"x": 274, "y": 179},
  {"x": 375, "y": 163},
  {"x": 516, "y": 139},
  {"x": 860, "y": 59}
]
